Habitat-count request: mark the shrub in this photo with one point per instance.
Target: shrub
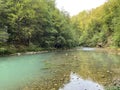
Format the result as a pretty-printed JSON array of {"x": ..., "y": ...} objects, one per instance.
[{"x": 5, "y": 51}]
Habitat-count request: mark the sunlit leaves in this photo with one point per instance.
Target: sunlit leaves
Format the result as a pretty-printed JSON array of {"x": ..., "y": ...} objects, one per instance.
[{"x": 100, "y": 25}]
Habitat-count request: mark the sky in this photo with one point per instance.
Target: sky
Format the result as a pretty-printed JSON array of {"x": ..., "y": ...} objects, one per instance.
[{"x": 73, "y": 7}]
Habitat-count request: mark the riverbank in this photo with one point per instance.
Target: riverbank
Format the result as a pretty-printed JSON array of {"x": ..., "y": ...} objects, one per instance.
[
  {"x": 30, "y": 51},
  {"x": 113, "y": 50},
  {"x": 109, "y": 50},
  {"x": 7, "y": 52}
]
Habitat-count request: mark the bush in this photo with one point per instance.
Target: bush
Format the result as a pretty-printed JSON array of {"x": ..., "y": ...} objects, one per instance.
[
  {"x": 5, "y": 51},
  {"x": 116, "y": 40},
  {"x": 31, "y": 47}
]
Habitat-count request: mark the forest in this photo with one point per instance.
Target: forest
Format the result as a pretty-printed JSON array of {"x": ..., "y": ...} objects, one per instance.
[
  {"x": 33, "y": 25},
  {"x": 100, "y": 26}
]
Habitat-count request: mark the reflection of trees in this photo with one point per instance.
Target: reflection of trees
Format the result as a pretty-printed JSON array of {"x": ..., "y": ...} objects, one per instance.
[{"x": 100, "y": 67}]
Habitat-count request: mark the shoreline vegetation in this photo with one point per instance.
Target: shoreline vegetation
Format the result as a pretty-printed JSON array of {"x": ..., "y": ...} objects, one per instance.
[
  {"x": 36, "y": 25},
  {"x": 32, "y": 51}
]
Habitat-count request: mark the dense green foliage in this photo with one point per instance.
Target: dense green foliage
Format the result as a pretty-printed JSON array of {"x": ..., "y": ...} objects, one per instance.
[
  {"x": 100, "y": 26},
  {"x": 28, "y": 25},
  {"x": 34, "y": 24}
]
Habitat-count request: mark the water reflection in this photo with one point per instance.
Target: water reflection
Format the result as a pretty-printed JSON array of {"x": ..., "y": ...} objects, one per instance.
[
  {"x": 49, "y": 71},
  {"x": 77, "y": 83},
  {"x": 86, "y": 49},
  {"x": 101, "y": 67}
]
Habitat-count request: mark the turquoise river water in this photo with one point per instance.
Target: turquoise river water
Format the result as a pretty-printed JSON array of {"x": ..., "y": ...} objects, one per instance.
[{"x": 80, "y": 69}]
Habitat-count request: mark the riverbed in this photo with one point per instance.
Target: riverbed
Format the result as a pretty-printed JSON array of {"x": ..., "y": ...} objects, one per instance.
[{"x": 77, "y": 69}]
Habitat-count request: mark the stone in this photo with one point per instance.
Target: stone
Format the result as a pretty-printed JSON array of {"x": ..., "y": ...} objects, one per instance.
[{"x": 103, "y": 76}]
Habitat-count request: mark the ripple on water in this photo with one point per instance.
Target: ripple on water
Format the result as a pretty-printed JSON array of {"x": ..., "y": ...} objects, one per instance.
[{"x": 77, "y": 83}]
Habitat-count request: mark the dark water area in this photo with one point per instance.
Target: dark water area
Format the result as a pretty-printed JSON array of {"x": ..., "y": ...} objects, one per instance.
[{"x": 79, "y": 69}]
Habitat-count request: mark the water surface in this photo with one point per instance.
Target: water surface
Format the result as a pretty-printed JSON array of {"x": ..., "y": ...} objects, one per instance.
[
  {"x": 52, "y": 71},
  {"x": 77, "y": 83},
  {"x": 16, "y": 71}
]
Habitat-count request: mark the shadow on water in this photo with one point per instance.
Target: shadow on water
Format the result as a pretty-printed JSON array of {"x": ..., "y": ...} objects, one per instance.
[{"x": 77, "y": 83}]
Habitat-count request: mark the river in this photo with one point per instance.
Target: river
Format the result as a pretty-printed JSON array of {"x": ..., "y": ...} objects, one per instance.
[{"x": 79, "y": 69}]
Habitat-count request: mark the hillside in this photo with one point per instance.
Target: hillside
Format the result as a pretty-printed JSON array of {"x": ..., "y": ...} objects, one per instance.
[
  {"x": 32, "y": 25},
  {"x": 100, "y": 26}
]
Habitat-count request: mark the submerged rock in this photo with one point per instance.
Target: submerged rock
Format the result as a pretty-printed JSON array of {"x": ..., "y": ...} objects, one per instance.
[{"x": 102, "y": 76}]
